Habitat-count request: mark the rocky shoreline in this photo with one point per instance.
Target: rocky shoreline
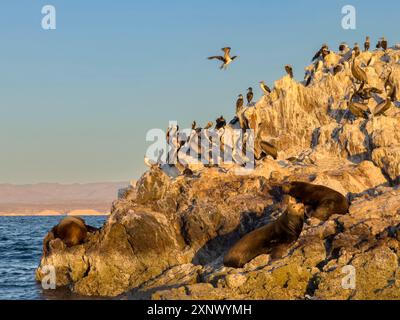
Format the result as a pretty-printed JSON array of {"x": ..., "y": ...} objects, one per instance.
[{"x": 165, "y": 238}]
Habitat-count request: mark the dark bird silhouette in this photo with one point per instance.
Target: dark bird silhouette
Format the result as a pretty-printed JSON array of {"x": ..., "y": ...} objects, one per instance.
[
  {"x": 367, "y": 44},
  {"x": 289, "y": 70},
  {"x": 249, "y": 95},
  {"x": 226, "y": 58}
]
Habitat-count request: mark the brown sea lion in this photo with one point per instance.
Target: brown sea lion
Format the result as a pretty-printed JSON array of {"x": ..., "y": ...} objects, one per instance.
[
  {"x": 272, "y": 238},
  {"x": 322, "y": 201},
  {"x": 71, "y": 230}
]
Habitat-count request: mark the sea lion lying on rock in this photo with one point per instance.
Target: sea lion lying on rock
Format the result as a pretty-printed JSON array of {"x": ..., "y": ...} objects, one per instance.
[
  {"x": 272, "y": 238},
  {"x": 71, "y": 230},
  {"x": 321, "y": 201}
]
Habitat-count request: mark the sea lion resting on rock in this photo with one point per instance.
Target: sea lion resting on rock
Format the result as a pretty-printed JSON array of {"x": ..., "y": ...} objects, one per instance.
[
  {"x": 71, "y": 230},
  {"x": 322, "y": 201},
  {"x": 272, "y": 238}
]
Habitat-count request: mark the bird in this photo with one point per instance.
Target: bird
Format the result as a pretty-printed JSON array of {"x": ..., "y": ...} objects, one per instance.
[
  {"x": 220, "y": 123},
  {"x": 239, "y": 103},
  {"x": 289, "y": 70},
  {"x": 379, "y": 44},
  {"x": 357, "y": 72},
  {"x": 249, "y": 95},
  {"x": 226, "y": 58},
  {"x": 356, "y": 49},
  {"x": 382, "y": 107},
  {"x": 343, "y": 47},
  {"x": 366, "y": 93},
  {"x": 322, "y": 52},
  {"x": 367, "y": 44},
  {"x": 384, "y": 44},
  {"x": 264, "y": 88},
  {"x": 208, "y": 125},
  {"x": 337, "y": 69},
  {"x": 359, "y": 109}
]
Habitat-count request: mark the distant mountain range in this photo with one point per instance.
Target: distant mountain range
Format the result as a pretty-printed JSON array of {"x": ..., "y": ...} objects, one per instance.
[{"x": 53, "y": 198}]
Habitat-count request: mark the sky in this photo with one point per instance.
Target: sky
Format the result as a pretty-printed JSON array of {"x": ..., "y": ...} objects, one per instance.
[{"x": 76, "y": 102}]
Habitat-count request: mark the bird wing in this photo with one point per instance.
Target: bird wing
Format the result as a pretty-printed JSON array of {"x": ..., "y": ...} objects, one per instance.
[
  {"x": 316, "y": 55},
  {"x": 216, "y": 57}
]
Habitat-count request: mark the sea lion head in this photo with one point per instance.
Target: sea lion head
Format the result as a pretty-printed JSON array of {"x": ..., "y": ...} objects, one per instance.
[{"x": 296, "y": 209}]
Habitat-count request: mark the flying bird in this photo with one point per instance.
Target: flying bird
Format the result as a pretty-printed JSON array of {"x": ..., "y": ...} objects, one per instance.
[
  {"x": 226, "y": 58},
  {"x": 264, "y": 88},
  {"x": 249, "y": 95},
  {"x": 289, "y": 70},
  {"x": 367, "y": 44},
  {"x": 239, "y": 103}
]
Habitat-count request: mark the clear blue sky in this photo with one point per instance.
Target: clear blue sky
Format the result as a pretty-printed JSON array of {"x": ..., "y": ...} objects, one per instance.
[{"x": 76, "y": 102}]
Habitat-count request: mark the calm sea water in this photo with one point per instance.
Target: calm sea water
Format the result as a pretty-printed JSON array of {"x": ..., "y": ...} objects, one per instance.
[{"x": 20, "y": 251}]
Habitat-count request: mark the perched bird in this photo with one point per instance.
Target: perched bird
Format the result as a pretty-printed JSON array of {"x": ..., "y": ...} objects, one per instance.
[
  {"x": 343, "y": 47},
  {"x": 356, "y": 49},
  {"x": 322, "y": 52},
  {"x": 289, "y": 70},
  {"x": 337, "y": 69},
  {"x": 384, "y": 44},
  {"x": 382, "y": 107},
  {"x": 264, "y": 88},
  {"x": 239, "y": 103},
  {"x": 367, "y": 44},
  {"x": 208, "y": 125},
  {"x": 226, "y": 59},
  {"x": 221, "y": 122},
  {"x": 249, "y": 95},
  {"x": 357, "y": 72},
  {"x": 358, "y": 109},
  {"x": 366, "y": 93},
  {"x": 379, "y": 44}
]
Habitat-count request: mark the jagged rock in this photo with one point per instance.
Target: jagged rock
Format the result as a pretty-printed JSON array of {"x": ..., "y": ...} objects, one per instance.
[{"x": 167, "y": 235}]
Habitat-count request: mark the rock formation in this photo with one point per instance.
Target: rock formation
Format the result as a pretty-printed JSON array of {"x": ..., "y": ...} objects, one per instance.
[{"x": 166, "y": 236}]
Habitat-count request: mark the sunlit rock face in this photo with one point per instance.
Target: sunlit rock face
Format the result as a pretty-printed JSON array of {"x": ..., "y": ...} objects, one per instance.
[{"x": 166, "y": 236}]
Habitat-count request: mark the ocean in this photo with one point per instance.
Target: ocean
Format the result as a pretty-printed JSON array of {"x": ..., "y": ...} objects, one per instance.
[{"x": 20, "y": 251}]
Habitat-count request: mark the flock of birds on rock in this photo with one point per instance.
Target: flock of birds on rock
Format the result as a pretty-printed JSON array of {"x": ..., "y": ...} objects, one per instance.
[{"x": 358, "y": 100}]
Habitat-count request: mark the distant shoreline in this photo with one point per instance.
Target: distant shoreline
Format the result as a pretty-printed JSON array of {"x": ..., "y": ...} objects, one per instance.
[{"x": 50, "y": 213}]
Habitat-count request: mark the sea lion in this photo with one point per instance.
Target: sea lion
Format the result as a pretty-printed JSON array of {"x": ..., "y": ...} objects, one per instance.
[
  {"x": 322, "y": 201},
  {"x": 272, "y": 238},
  {"x": 71, "y": 230}
]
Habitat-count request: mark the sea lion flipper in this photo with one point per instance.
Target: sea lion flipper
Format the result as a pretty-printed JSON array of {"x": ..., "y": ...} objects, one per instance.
[{"x": 91, "y": 229}]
